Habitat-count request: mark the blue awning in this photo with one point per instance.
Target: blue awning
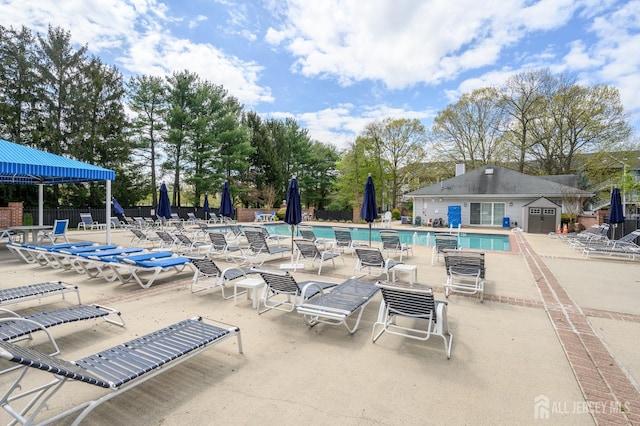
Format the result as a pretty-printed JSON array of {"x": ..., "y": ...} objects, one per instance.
[{"x": 20, "y": 164}]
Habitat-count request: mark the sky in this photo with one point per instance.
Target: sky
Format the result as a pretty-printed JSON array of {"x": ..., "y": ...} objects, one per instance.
[{"x": 337, "y": 65}]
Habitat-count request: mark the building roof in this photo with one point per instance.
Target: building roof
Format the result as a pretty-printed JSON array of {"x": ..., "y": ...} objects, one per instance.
[
  {"x": 498, "y": 181},
  {"x": 20, "y": 164}
]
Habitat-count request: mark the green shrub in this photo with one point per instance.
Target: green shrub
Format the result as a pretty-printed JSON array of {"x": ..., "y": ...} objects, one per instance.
[
  {"x": 27, "y": 219},
  {"x": 395, "y": 214}
]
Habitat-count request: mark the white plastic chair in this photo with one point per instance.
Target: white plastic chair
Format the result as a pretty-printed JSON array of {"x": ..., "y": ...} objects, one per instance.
[
  {"x": 386, "y": 220},
  {"x": 59, "y": 231}
]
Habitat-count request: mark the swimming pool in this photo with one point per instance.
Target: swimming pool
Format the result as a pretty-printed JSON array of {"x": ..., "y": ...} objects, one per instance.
[{"x": 424, "y": 238}]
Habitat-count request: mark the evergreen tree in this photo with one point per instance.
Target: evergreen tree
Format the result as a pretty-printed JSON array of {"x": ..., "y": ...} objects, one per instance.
[
  {"x": 147, "y": 100},
  {"x": 180, "y": 99}
]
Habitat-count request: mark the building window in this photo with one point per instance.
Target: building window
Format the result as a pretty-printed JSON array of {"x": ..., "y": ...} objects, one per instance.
[
  {"x": 549, "y": 212},
  {"x": 486, "y": 213}
]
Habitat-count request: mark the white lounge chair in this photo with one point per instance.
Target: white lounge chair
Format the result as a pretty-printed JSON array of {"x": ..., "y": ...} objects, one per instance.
[
  {"x": 308, "y": 250},
  {"x": 221, "y": 247},
  {"x": 87, "y": 222},
  {"x": 443, "y": 242},
  {"x": 35, "y": 253},
  {"x": 372, "y": 262},
  {"x": 259, "y": 249},
  {"x": 14, "y": 295},
  {"x": 391, "y": 244},
  {"x": 116, "y": 369},
  {"x": 339, "y": 304},
  {"x": 465, "y": 272},
  {"x": 187, "y": 244},
  {"x": 140, "y": 237},
  {"x": 343, "y": 239},
  {"x": 191, "y": 218},
  {"x": 415, "y": 304},
  {"x": 307, "y": 233},
  {"x": 139, "y": 268},
  {"x": 208, "y": 275},
  {"x": 284, "y": 293},
  {"x": 15, "y": 326}
]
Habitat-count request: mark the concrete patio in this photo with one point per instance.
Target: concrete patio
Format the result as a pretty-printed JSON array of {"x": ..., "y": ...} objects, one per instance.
[{"x": 555, "y": 341}]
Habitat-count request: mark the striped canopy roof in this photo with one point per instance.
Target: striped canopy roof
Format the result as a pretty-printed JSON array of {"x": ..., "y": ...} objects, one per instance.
[{"x": 20, "y": 164}]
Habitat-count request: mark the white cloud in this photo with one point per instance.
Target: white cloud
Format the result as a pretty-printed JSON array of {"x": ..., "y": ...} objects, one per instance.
[
  {"x": 139, "y": 29},
  {"x": 579, "y": 58},
  {"x": 341, "y": 124},
  {"x": 451, "y": 47},
  {"x": 162, "y": 54},
  {"x": 495, "y": 78},
  {"x": 409, "y": 42},
  {"x": 616, "y": 50},
  {"x": 100, "y": 25},
  {"x": 198, "y": 19}
]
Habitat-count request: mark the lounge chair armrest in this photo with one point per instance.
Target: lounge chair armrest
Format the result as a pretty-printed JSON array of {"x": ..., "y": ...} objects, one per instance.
[
  {"x": 240, "y": 271},
  {"x": 35, "y": 325},
  {"x": 10, "y": 313},
  {"x": 308, "y": 288},
  {"x": 441, "y": 317},
  {"x": 470, "y": 273}
]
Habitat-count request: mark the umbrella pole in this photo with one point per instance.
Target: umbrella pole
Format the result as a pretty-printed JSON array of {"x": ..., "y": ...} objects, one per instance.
[
  {"x": 369, "y": 234},
  {"x": 291, "y": 244},
  {"x": 291, "y": 265}
]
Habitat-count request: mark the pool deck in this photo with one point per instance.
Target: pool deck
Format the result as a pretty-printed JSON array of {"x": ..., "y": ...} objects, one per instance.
[{"x": 556, "y": 341}]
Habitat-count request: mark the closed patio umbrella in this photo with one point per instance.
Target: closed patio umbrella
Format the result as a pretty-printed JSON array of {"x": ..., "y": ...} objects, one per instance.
[
  {"x": 293, "y": 214},
  {"x": 206, "y": 207},
  {"x": 164, "y": 205},
  {"x": 369, "y": 210},
  {"x": 616, "y": 215},
  {"x": 117, "y": 208},
  {"x": 226, "y": 206}
]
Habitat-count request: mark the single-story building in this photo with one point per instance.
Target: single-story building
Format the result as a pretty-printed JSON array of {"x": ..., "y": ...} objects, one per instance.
[{"x": 499, "y": 197}]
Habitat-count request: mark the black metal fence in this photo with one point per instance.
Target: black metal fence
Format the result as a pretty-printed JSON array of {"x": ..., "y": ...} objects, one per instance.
[
  {"x": 99, "y": 215},
  {"x": 334, "y": 216},
  {"x": 620, "y": 229}
]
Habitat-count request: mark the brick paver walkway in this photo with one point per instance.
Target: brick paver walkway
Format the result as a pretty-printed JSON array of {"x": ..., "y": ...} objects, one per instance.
[{"x": 603, "y": 382}]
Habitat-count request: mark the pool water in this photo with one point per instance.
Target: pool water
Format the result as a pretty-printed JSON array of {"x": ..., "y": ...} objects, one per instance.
[{"x": 424, "y": 238}]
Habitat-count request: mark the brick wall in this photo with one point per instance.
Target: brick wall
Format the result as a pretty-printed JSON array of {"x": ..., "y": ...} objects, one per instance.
[
  {"x": 11, "y": 215},
  {"x": 589, "y": 220}
]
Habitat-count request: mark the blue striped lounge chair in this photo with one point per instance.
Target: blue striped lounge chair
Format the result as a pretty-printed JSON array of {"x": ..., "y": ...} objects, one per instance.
[
  {"x": 414, "y": 302},
  {"x": 340, "y": 304},
  {"x": 282, "y": 291},
  {"x": 114, "y": 370}
]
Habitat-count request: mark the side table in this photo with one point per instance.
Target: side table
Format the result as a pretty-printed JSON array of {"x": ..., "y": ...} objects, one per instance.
[
  {"x": 412, "y": 270},
  {"x": 253, "y": 285}
]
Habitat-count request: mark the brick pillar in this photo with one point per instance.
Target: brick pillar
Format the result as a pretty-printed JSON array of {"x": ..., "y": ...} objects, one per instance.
[
  {"x": 356, "y": 213},
  {"x": 16, "y": 209}
]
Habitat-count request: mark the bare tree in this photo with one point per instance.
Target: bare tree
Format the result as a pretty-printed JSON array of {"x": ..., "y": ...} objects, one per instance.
[
  {"x": 471, "y": 129},
  {"x": 523, "y": 99}
]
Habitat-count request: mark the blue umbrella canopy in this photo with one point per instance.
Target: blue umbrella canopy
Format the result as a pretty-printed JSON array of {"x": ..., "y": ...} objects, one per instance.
[
  {"x": 616, "y": 215},
  {"x": 293, "y": 214},
  {"x": 369, "y": 210},
  {"x": 117, "y": 208},
  {"x": 205, "y": 206},
  {"x": 226, "y": 206},
  {"x": 164, "y": 205}
]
